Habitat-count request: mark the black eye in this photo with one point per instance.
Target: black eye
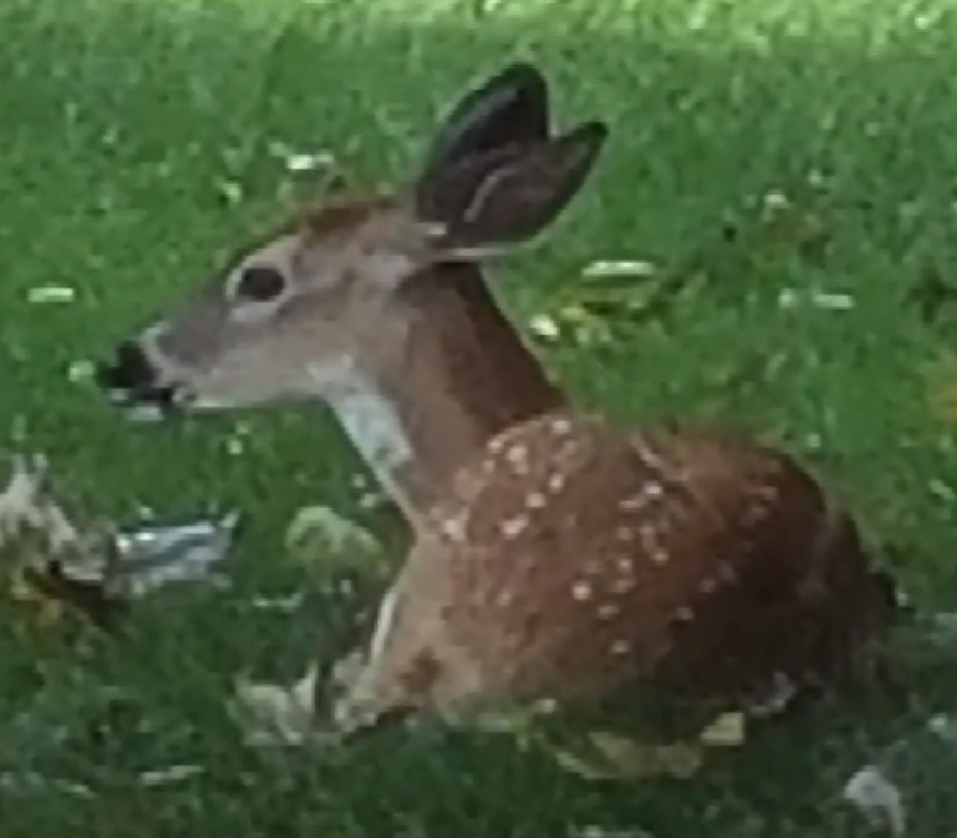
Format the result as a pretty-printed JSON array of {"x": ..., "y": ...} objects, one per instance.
[{"x": 260, "y": 284}]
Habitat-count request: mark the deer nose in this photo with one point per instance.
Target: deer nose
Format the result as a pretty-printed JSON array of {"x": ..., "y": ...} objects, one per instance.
[
  {"x": 127, "y": 373},
  {"x": 133, "y": 382}
]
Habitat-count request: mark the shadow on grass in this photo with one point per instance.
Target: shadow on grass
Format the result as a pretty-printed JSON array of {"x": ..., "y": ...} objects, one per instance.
[{"x": 124, "y": 124}]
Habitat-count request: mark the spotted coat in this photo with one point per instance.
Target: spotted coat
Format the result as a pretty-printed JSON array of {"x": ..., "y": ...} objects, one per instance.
[{"x": 573, "y": 561}]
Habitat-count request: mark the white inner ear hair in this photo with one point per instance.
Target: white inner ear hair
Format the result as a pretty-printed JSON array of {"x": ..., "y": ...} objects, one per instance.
[{"x": 368, "y": 417}]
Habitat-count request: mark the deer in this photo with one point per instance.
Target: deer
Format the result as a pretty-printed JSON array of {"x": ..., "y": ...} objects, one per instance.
[{"x": 560, "y": 566}]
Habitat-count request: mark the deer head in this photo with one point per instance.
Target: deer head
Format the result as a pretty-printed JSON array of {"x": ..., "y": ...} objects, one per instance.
[
  {"x": 359, "y": 302},
  {"x": 335, "y": 288}
]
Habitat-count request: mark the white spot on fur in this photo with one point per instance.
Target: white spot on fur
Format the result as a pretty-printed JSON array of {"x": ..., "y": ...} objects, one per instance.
[
  {"x": 649, "y": 491},
  {"x": 513, "y": 527},
  {"x": 648, "y": 456},
  {"x": 581, "y": 591},
  {"x": 556, "y": 482},
  {"x": 535, "y": 500},
  {"x": 505, "y": 598},
  {"x": 623, "y": 585},
  {"x": 561, "y": 426},
  {"x": 496, "y": 444},
  {"x": 608, "y": 611},
  {"x": 726, "y": 573},
  {"x": 454, "y": 528},
  {"x": 624, "y": 533},
  {"x": 620, "y": 647},
  {"x": 652, "y": 546},
  {"x": 517, "y": 457},
  {"x": 683, "y": 614}
]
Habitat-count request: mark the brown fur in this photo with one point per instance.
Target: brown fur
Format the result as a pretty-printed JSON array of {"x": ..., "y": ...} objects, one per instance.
[{"x": 571, "y": 561}]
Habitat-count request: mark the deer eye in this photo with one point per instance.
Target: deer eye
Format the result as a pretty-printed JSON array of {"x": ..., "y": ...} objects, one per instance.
[{"x": 259, "y": 284}]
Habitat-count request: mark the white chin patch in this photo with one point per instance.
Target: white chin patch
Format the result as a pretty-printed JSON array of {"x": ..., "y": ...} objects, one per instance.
[
  {"x": 145, "y": 413},
  {"x": 207, "y": 406},
  {"x": 211, "y": 404}
]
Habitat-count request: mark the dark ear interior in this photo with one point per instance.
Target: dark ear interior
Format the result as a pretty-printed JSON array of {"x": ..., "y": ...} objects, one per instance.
[
  {"x": 508, "y": 194},
  {"x": 510, "y": 107}
]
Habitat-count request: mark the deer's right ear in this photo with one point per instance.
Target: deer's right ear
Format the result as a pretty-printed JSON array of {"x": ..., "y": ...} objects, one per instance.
[
  {"x": 510, "y": 107},
  {"x": 507, "y": 195}
]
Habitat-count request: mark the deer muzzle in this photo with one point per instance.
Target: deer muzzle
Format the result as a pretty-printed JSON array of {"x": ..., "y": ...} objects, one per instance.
[{"x": 132, "y": 382}]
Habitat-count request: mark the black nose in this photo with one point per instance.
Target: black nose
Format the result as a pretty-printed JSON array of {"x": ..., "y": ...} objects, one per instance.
[{"x": 128, "y": 372}]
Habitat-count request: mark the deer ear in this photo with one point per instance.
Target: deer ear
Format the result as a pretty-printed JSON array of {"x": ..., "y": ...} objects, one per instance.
[
  {"x": 510, "y": 107},
  {"x": 507, "y": 195}
]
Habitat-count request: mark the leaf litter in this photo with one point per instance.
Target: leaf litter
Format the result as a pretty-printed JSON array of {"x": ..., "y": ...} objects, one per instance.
[
  {"x": 91, "y": 568},
  {"x": 908, "y": 789},
  {"x": 59, "y": 564}
]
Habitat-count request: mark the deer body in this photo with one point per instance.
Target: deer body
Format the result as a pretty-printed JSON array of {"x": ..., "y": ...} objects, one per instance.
[
  {"x": 573, "y": 562},
  {"x": 556, "y": 558}
]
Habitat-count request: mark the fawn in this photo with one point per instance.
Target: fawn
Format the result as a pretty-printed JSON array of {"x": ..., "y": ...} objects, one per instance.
[{"x": 557, "y": 561}]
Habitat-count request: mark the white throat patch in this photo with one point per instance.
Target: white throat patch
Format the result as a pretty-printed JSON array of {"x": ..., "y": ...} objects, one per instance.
[{"x": 369, "y": 419}]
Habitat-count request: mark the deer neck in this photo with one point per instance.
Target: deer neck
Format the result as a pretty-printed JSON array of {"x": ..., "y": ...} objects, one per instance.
[{"x": 449, "y": 374}]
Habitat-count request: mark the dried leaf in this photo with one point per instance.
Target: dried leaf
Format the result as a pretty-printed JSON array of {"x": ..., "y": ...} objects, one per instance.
[
  {"x": 878, "y": 799},
  {"x": 795, "y": 298},
  {"x": 272, "y": 715},
  {"x": 58, "y": 565},
  {"x": 726, "y": 731},
  {"x": 604, "y": 269},
  {"x": 630, "y": 758},
  {"x": 45, "y": 294}
]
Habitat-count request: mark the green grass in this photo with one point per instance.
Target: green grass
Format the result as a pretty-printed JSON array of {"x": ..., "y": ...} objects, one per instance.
[{"x": 120, "y": 121}]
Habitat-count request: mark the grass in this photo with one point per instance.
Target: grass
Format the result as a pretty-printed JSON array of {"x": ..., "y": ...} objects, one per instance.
[{"x": 129, "y": 128}]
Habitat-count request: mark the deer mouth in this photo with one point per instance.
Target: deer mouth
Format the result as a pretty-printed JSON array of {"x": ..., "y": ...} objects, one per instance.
[
  {"x": 143, "y": 402},
  {"x": 132, "y": 383},
  {"x": 153, "y": 404}
]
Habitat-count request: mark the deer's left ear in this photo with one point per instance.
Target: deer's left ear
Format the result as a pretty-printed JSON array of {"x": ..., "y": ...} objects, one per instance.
[
  {"x": 507, "y": 195},
  {"x": 509, "y": 108}
]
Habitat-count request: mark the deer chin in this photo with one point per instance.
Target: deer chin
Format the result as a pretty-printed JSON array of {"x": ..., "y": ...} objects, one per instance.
[
  {"x": 172, "y": 404},
  {"x": 148, "y": 414},
  {"x": 153, "y": 405}
]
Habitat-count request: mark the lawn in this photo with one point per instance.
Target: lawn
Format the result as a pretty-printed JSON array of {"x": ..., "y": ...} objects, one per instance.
[{"x": 759, "y": 149}]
